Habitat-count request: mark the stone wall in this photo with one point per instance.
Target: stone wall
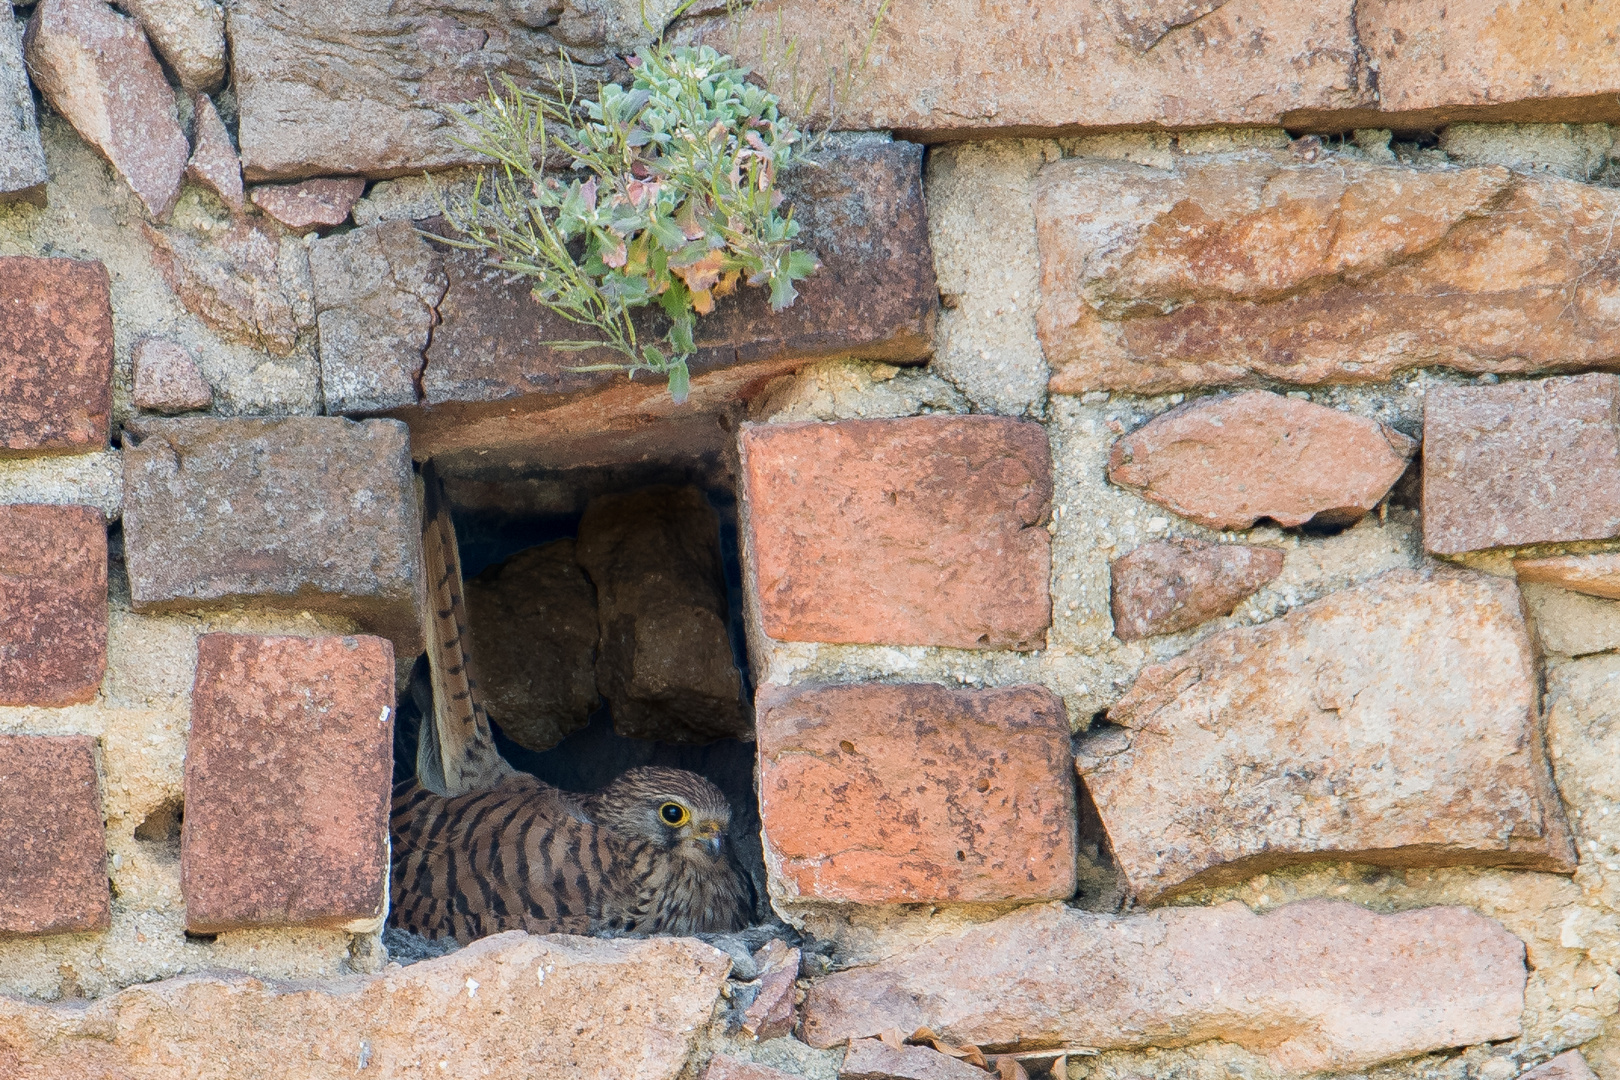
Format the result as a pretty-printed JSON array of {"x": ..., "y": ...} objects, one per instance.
[{"x": 1180, "y": 530}]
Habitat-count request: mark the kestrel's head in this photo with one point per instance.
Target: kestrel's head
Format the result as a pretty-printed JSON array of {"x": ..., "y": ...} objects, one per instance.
[{"x": 672, "y": 808}]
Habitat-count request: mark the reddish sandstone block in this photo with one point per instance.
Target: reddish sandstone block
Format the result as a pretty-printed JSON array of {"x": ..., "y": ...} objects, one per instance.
[
  {"x": 53, "y": 604},
  {"x": 53, "y": 874},
  {"x": 56, "y": 354},
  {"x": 900, "y": 794},
  {"x": 921, "y": 531},
  {"x": 287, "y": 781}
]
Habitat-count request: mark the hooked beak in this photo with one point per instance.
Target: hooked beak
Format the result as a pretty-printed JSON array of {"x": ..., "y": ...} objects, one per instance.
[{"x": 711, "y": 836}]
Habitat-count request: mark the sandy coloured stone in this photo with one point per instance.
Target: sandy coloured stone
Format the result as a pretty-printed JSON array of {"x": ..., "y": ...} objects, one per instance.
[
  {"x": 22, "y": 159},
  {"x": 167, "y": 379},
  {"x": 56, "y": 355},
  {"x": 1595, "y": 575},
  {"x": 870, "y": 1059},
  {"x": 1230, "y": 267},
  {"x": 96, "y": 68},
  {"x": 190, "y": 35},
  {"x": 250, "y": 282},
  {"x": 772, "y": 1013},
  {"x": 1394, "y": 723},
  {"x": 1570, "y": 1065},
  {"x": 309, "y": 204},
  {"x": 1569, "y": 623},
  {"x": 588, "y": 1008},
  {"x": 53, "y": 604},
  {"x": 1312, "y": 986},
  {"x": 53, "y": 856},
  {"x": 1168, "y": 586},
  {"x": 301, "y": 513},
  {"x": 726, "y": 1067},
  {"x": 928, "y": 529},
  {"x": 1521, "y": 463},
  {"x": 213, "y": 161},
  {"x": 875, "y": 794},
  {"x": 1228, "y": 461},
  {"x": 289, "y": 762}
]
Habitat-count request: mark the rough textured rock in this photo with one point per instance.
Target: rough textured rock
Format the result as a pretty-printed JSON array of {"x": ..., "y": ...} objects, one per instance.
[
  {"x": 726, "y": 1067},
  {"x": 288, "y": 768},
  {"x": 928, "y": 530},
  {"x": 1263, "y": 265},
  {"x": 665, "y": 661},
  {"x": 1091, "y": 64},
  {"x": 1570, "y": 624},
  {"x": 1165, "y": 587},
  {"x": 53, "y": 604},
  {"x": 246, "y": 282},
  {"x": 876, "y": 794},
  {"x": 95, "y": 67},
  {"x": 772, "y": 1013},
  {"x": 309, "y": 204},
  {"x": 56, "y": 354},
  {"x": 213, "y": 162},
  {"x": 190, "y": 35},
  {"x": 53, "y": 859},
  {"x": 533, "y": 627},
  {"x": 584, "y": 1008},
  {"x": 1583, "y": 736},
  {"x": 167, "y": 379},
  {"x": 1569, "y": 1065},
  {"x": 376, "y": 291},
  {"x": 1594, "y": 575},
  {"x": 1394, "y": 723},
  {"x": 1521, "y": 463},
  {"x": 1315, "y": 985},
  {"x": 869, "y": 1059},
  {"x": 491, "y": 381},
  {"x": 1227, "y": 462},
  {"x": 22, "y": 159},
  {"x": 307, "y": 513}
]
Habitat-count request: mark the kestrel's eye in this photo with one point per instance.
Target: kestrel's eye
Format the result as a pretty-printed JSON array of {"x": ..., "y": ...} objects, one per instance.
[{"x": 674, "y": 814}]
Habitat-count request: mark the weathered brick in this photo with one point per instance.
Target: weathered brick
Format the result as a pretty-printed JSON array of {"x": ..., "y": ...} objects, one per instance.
[
  {"x": 304, "y": 513},
  {"x": 726, "y": 1067},
  {"x": 53, "y": 604},
  {"x": 309, "y": 204},
  {"x": 871, "y": 1059},
  {"x": 1521, "y": 463},
  {"x": 56, "y": 354},
  {"x": 1162, "y": 588},
  {"x": 53, "y": 872},
  {"x": 1594, "y": 575},
  {"x": 1570, "y": 1065},
  {"x": 928, "y": 530},
  {"x": 900, "y": 794},
  {"x": 288, "y": 769}
]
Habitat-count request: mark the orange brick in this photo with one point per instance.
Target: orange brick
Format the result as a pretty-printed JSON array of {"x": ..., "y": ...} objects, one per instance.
[
  {"x": 56, "y": 354},
  {"x": 920, "y": 531},
  {"x": 53, "y": 854},
  {"x": 53, "y": 604},
  {"x": 901, "y": 794}
]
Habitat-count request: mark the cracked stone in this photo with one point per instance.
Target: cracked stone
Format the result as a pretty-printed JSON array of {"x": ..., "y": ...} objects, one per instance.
[
  {"x": 247, "y": 281},
  {"x": 214, "y": 163},
  {"x": 309, "y": 204}
]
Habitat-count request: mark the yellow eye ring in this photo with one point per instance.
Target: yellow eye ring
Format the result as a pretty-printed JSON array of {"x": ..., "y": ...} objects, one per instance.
[{"x": 674, "y": 815}]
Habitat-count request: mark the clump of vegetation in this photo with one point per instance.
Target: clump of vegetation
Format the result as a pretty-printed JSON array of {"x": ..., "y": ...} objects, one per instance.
[{"x": 672, "y": 200}]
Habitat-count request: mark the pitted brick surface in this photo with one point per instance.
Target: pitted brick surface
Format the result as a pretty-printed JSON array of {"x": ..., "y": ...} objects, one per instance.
[
  {"x": 56, "y": 354},
  {"x": 53, "y": 860},
  {"x": 53, "y": 604}
]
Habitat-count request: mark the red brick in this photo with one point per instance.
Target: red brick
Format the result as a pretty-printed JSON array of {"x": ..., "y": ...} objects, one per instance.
[
  {"x": 53, "y": 604},
  {"x": 927, "y": 531},
  {"x": 53, "y": 872},
  {"x": 901, "y": 794},
  {"x": 56, "y": 354},
  {"x": 287, "y": 781}
]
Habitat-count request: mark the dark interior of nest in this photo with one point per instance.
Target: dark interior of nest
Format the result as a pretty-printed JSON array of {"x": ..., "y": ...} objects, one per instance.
[{"x": 604, "y": 615}]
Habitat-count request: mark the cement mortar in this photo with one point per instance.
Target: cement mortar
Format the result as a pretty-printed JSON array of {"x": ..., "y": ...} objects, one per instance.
[{"x": 66, "y": 479}]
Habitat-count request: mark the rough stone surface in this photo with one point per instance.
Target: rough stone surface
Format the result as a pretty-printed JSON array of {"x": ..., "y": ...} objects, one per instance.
[
  {"x": 1570, "y": 624},
  {"x": 376, "y": 293},
  {"x": 190, "y": 35},
  {"x": 53, "y": 860},
  {"x": 1392, "y": 723},
  {"x": 66, "y": 480},
  {"x": 246, "y": 281},
  {"x": 1521, "y": 463},
  {"x": 213, "y": 162},
  {"x": 308, "y": 513},
  {"x": 870, "y": 1059},
  {"x": 1226, "y": 462},
  {"x": 22, "y": 159},
  {"x": 288, "y": 768},
  {"x": 1344, "y": 270},
  {"x": 1316, "y": 985},
  {"x": 53, "y": 604},
  {"x": 665, "y": 662},
  {"x": 908, "y": 794},
  {"x": 935, "y": 71},
  {"x": 726, "y": 1067},
  {"x": 1165, "y": 587},
  {"x": 533, "y": 627},
  {"x": 772, "y": 1012},
  {"x": 56, "y": 354},
  {"x": 309, "y": 204},
  {"x": 95, "y": 67},
  {"x": 1577, "y": 151},
  {"x": 1569, "y": 1065},
  {"x": 928, "y": 530},
  {"x": 1594, "y": 575},
  {"x": 167, "y": 379},
  {"x": 573, "y": 1008}
]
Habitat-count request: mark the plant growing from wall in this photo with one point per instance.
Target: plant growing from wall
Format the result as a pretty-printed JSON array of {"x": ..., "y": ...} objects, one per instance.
[{"x": 671, "y": 202}]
